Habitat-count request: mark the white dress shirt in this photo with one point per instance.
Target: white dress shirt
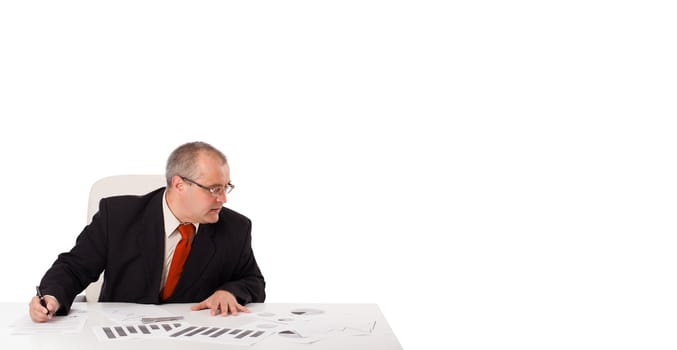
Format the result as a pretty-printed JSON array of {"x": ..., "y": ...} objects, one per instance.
[{"x": 172, "y": 237}]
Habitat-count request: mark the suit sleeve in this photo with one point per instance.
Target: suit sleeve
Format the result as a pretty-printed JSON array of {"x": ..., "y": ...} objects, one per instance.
[
  {"x": 73, "y": 271},
  {"x": 249, "y": 285}
]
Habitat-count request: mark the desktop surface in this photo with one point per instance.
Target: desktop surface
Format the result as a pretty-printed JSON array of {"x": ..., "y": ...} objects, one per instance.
[{"x": 380, "y": 336}]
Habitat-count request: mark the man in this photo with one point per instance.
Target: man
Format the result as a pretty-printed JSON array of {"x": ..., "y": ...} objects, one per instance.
[{"x": 173, "y": 245}]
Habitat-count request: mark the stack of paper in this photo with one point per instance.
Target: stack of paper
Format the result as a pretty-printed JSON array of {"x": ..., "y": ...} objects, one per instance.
[{"x": 74, "y": 322}]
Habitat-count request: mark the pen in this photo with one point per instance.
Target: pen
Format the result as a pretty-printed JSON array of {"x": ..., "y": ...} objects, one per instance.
[
  {"x": 161, "y": 319},
  {"x": 42, "y": 298}
]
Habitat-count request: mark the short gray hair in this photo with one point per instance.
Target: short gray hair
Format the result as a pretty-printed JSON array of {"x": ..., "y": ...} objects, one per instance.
[{"x": 182, "y": 161}]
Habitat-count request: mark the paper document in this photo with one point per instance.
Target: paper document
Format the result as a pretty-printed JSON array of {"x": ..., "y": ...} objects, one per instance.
[
  {"x": 122, "y": 332},
  {"x": 182, "y": 331},
  {"x": 71, "y": 323},
  {"x": 131, "y": 314},
  {"x": 306, "y": 325},
  {"x": 242, "y": 335}
]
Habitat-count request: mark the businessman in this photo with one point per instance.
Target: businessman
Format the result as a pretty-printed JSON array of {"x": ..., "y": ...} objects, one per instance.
[{"x": 174, "y": 245}]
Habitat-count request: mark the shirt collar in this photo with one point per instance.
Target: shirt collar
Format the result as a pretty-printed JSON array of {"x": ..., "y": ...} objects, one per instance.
[{"x": 171, "y": 222}]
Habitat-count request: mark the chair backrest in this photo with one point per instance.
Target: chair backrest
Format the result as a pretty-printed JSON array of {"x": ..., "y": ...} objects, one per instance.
[{"x": 115, "y": 186}]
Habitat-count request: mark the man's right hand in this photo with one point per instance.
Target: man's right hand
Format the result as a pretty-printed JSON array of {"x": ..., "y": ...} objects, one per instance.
[{"x": 38, "y": 312}]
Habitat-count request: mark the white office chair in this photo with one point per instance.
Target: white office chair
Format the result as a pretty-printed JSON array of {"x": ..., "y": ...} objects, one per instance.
[{"x": 115, "y": 186}]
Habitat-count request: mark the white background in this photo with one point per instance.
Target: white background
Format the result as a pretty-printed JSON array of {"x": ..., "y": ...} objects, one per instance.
[{"x": 494, "y": 174}]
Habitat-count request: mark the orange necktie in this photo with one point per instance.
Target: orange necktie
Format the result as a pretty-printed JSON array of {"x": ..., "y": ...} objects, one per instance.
[{"x": 180, "y": 255}]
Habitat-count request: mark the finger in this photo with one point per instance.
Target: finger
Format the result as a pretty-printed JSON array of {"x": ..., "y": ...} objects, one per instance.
[
  {"x": 38, "y": 317},
  {"x": 52, "y": 303},
  {"x": 200, "y": 306},
  {"x": 37, "y": 312},
  {"x": 233, "y": 308},
  {"x": 215, "y": 308},
  {"x": 37, "y": 305},
  {"x": 51, "y": 307},
  {"x": 224, "y": 309},
  {"x": 242, "y": 308},
  {"x": 44, "y": 317}
]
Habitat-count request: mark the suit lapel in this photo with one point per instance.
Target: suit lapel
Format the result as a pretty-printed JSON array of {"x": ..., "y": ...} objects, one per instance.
[
  {"x": 201, "y": 253},
  {"x": 151, "y": 241}
]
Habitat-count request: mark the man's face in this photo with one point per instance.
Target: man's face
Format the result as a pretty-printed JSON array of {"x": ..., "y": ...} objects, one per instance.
[{"x": 200, "y": 205}]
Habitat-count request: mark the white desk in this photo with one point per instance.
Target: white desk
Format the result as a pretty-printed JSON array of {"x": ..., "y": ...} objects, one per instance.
[{"x": 382, "y": 336}]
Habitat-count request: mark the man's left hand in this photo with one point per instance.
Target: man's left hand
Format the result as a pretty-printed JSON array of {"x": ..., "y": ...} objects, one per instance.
[{"x": 221, "y": 301}]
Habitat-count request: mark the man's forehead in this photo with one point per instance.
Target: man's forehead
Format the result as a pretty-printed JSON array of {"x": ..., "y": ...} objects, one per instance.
[{"x": 218, "y": 174}]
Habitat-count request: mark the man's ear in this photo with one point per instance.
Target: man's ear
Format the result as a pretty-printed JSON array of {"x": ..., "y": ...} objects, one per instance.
[{"x": 178, "y": 183}]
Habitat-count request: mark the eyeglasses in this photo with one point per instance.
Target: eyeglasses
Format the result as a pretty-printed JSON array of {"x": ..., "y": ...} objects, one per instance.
[{"x": 214, "y": 190}]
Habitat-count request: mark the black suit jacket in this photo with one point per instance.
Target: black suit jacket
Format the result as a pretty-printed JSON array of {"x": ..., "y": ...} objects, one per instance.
[{"x": 126, "y": 241}]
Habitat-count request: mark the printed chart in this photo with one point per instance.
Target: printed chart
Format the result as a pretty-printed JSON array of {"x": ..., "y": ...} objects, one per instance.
[
  {"x": 120, "y": 332},
  {"x": 242, "y": 336},
  {"x": 182, "y": 331}
]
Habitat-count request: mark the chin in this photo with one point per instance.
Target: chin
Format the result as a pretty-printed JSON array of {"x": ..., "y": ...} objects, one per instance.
[{"x": 212, "y": 218}]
